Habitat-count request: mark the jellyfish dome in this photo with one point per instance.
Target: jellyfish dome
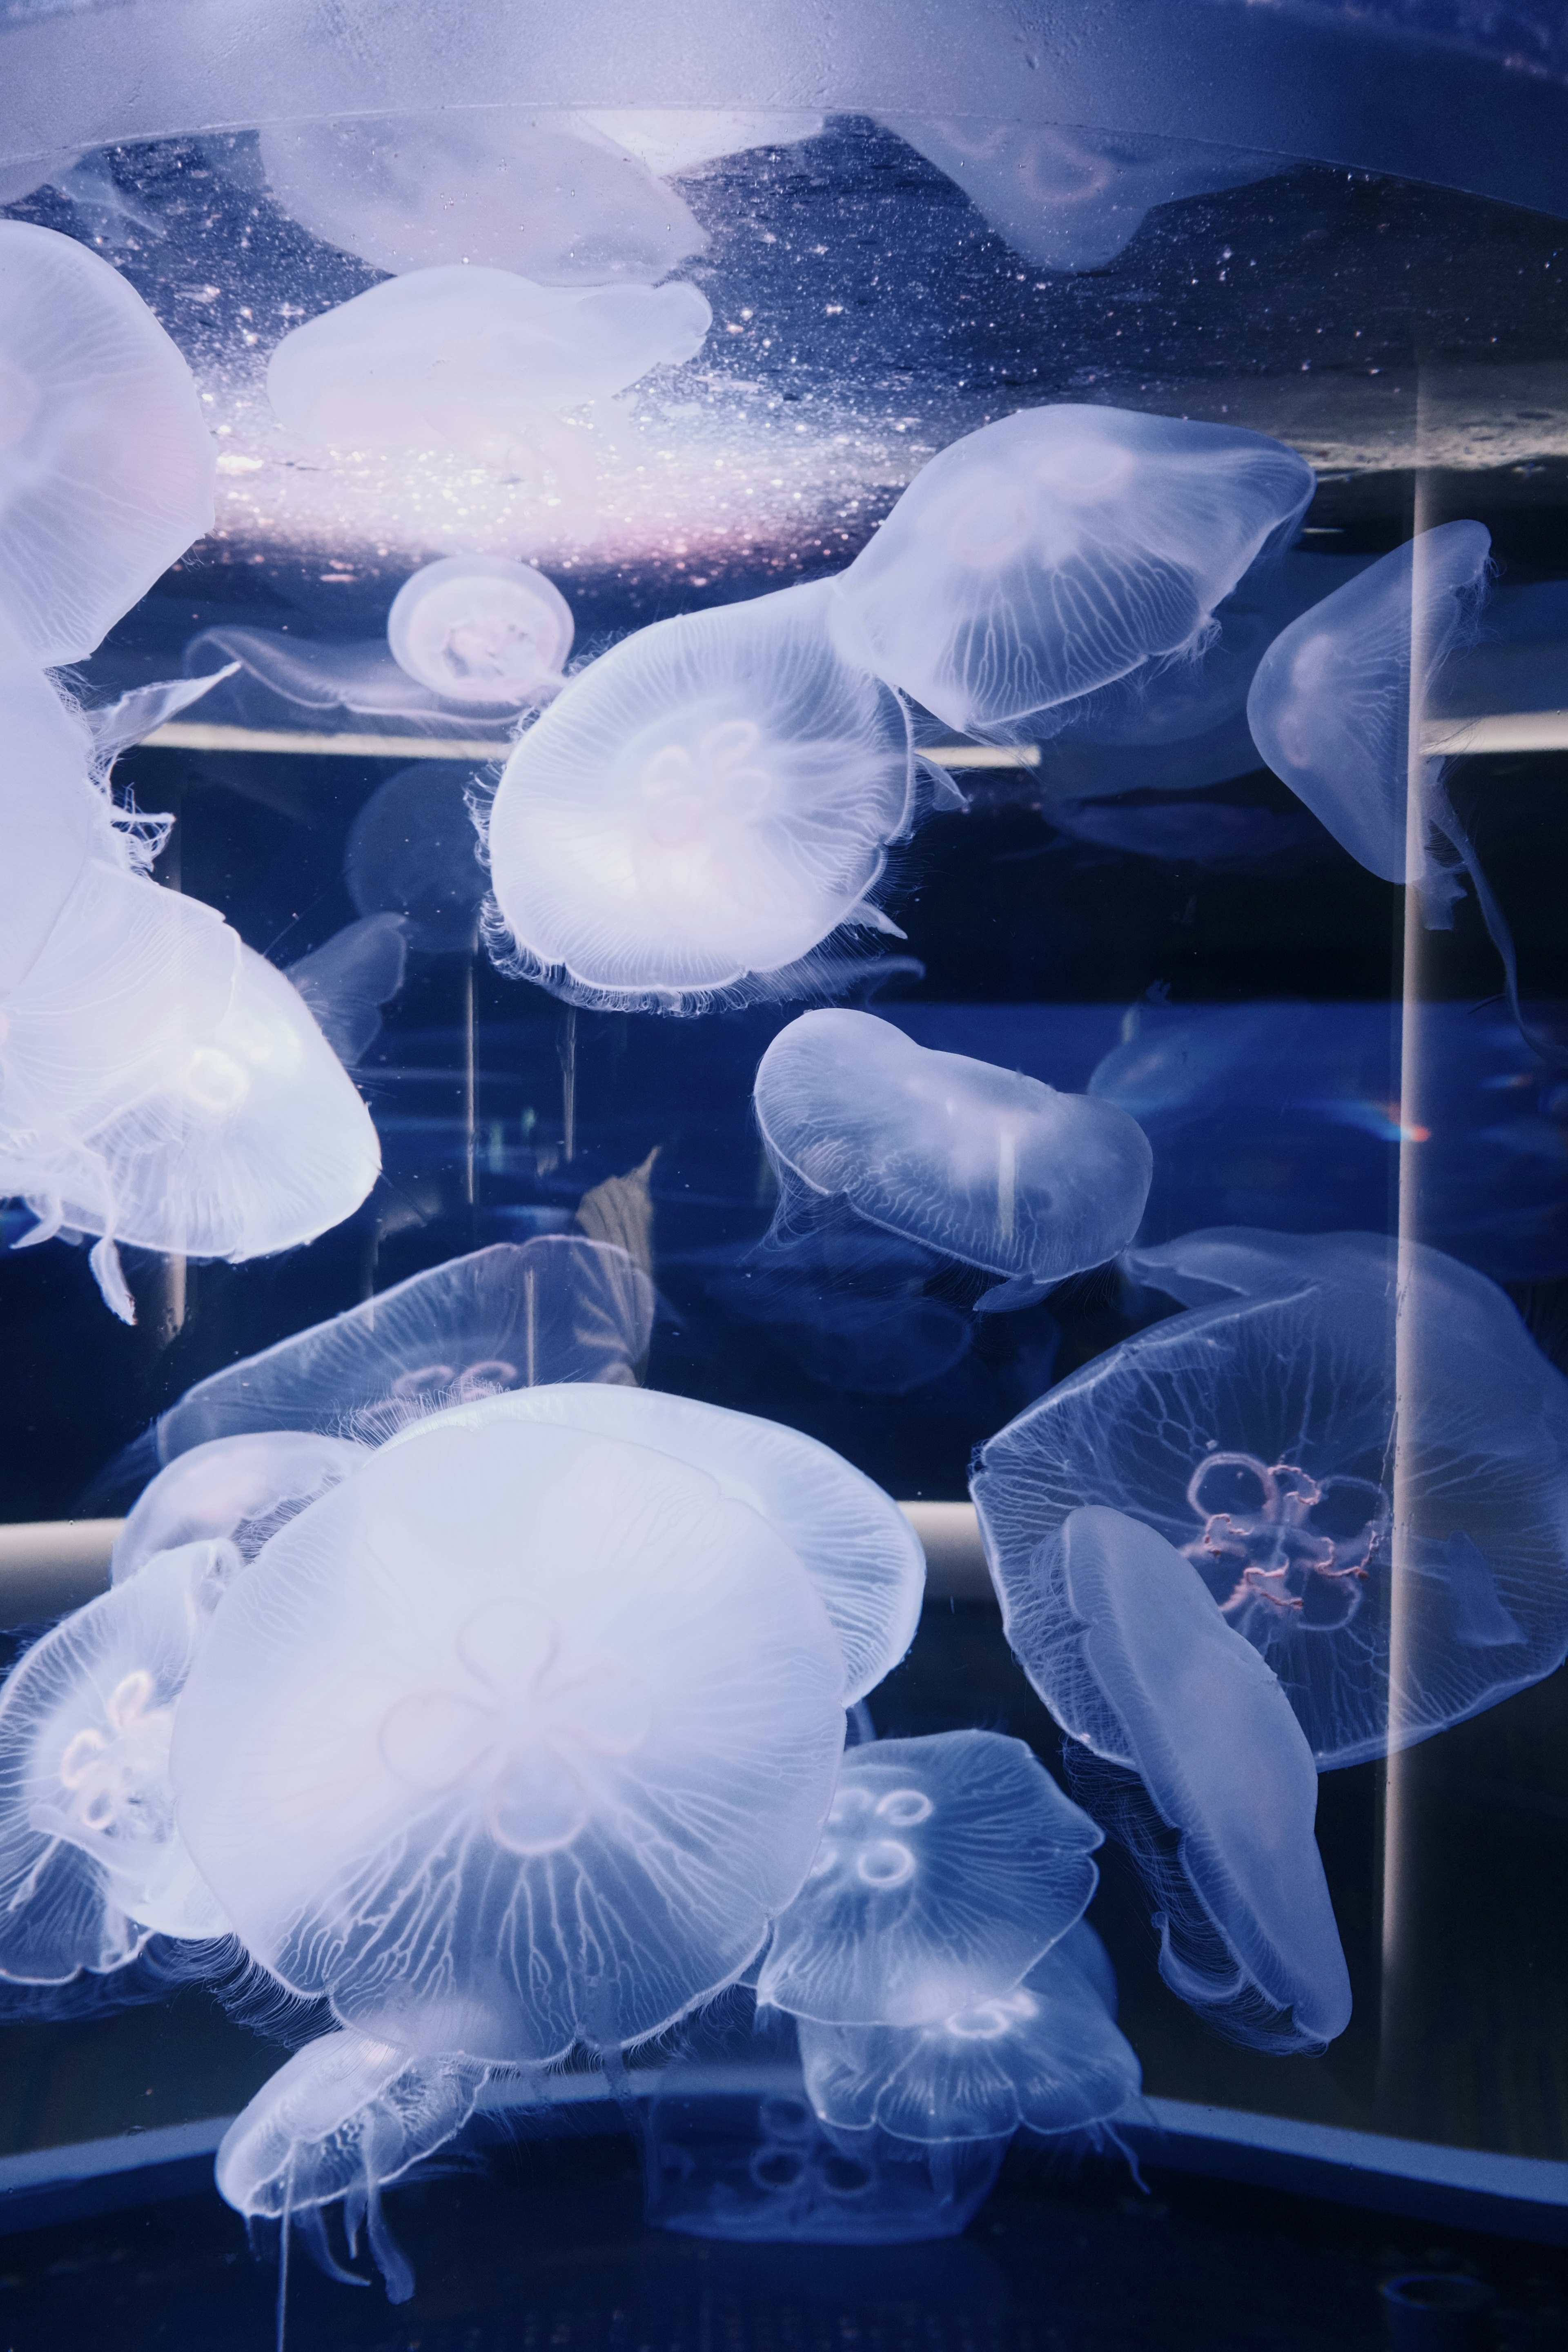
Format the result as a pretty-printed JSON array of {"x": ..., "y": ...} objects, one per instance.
[
  {"x": 412, "y": 850},
  {"x": 856, "y": 1546},
  {"x": 107, "y": 469},
  {"x": 980, "y": 1163},
  {"x": 1051, "y": 554},
  {"x": 232, "y": 1489},
  {"x": 948, "y": 1867},
  {"x": 470, "y": 357},
  {"x": 700, "y": 809},
  {"x": 1045, "y": 2056},
  {"x": 522, "y": 1735},
  {"x": 52, "y": 814},
  {"x": 478, "y": 628},
  {"x": 91, "y": 1860}
]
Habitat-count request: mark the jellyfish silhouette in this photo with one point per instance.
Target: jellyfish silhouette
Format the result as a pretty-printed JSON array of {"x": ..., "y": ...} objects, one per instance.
[
  {"x": 414, "y": 850},
  {"x": 1059, "y": 551},
  {"x": 92, "y": 1859},
  {"x": 700, "y": 810},
  {"x": 481, "y": 629},
  {"x": 849, "y": 1307},
  {"x": 1257, "y": 1435},
  {"x": 948, "y": 1867},
  {"x": 237, "y": 1490},
  {"x": 106, "y": 467},
  {"x": 519, "y": 1736},
  {"x": 975, "y": 1162},
  {"x": 1045, "y": 2056}
]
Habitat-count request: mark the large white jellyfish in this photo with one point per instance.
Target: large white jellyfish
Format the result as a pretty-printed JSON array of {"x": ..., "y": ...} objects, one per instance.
[
  {"x": 51, "y": 813},
  {"x": 1050, "y": 555},
  {"x": 948, "y": 1867},
  {"x": 414, "y": 850},
  {"x": 977, "y": 1162},
  {"x": 233, "y": 1489},
  {"x": 481, "y": 629},
  {"x": 106, "y": 465},
  {"x": 519, "y": 1736},
  {"x": 855, "y": 1545},
  {"x": 470, "y": 358},
  {"x": 555, "y": 1308},
  {"x": 91, "y": 1861},
  {"x": 550, "y": 198},
  {"x": 700, "y": 809},
  {"x": 1045, "y": 2056},
  {"x": 1258, "y": 1434}
]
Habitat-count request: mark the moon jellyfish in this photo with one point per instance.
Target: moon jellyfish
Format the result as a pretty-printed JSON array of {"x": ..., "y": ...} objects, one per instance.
[
  {"x": 268, "y": 666},
  {"x": 345, "y": 984},
  {"x": 106, "y": 467},
  {"x": 1257, "y": 1435},
  {"x": 523, "y": 1736},
  {"x": 92, "y": 1859},
  {"x": 414, "y": 850},
  {"x": 344, "y": 2118},
  {"x": 856, "y": 1546},
  {"x": 948, "y": 1866},
  {"x": 52, "y": 813},
  {"x": 554, "y": 200},
  {"x": 981, "y": 1164},
  {"x": 700, "y": 809},
  {"x": 554, "y": 1308},
  {"x": 481, "y": 629},
  {"x": 238, "y": 1489},
  {"x": 1045, "y": 2056},
  {"x": 1052, "y": 554},
  {"x": 467, "y": 358}
]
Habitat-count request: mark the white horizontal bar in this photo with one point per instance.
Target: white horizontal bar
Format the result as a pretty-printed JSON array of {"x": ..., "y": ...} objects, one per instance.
[
  {"x": 200, "y": 735},
  {"x": 1503, "y": 730}
]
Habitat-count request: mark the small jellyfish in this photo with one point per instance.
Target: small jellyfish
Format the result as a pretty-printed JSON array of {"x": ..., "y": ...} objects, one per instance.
[
  {"x": 1059, "y": 551},
  {"x": 91, "y": 1860},
  {"x": 554, "y": 1308},
  {"x": 1045, "y": 2056},
  {"x": 481, "y": 629},
  {"x": 414, "y": 850},
  {"x": 106, "y": 465},
  {"x": 979, "y": 1163},
  {"x": 949, "y": 1865},
  {"x": 521, "y": 1737},
  {"x": 856, "y": 1546},
  {"x": 701, "y": 810},
  {"x": 236, "y": 1489},
  {"x": 551, "y": 198},
  {"x": 344, "y": 2118},
  {"x": 470, "y": 357},
  {"x": 345, "y": 984}
]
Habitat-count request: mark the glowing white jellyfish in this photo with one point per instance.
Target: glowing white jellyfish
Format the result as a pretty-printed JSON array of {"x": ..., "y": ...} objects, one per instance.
[
  {"x": 470, "y": 358},
  {"x": 700, "y": 809},
  {"x": 976, "y": 1162},
  {"x": 481, "y": 629},
  {"x": 1051, "y": 554},
  {"x": 106, "y": 465},
  {"x": 236, "y": 1489},
  {"x": 91, "y": 1860},
  {"x": 518, "y": 1738},
  {"x": 948, "y": 1867},
  {"x": 51, "y": 814}
]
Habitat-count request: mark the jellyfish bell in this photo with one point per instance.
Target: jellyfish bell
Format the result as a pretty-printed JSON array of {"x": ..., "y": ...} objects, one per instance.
[
  {"x": 231, "y": 1489},
  {"x": 52, "y": 813},
  {"x": 481, "y": 629}
]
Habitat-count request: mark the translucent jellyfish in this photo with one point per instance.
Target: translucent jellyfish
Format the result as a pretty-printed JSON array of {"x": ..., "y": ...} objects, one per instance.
[
  {"x": 855, "y": 1545},
  {"x": 1257, "y": 1435},
  {"x": 91, "y": 1861},
  {"x": 345, "y": 984},
  {"x": 414, "y": 850},
  {"x": 236, "y": 1489},
  {"x": 106, "y": 465},
  {"x": 165, "y": 1087},
  {"x": 673, "y": 142},
  {"x": 467, "y": 358},
  {"x": 551, "y": 198},
  {"x": 519, "y": 1736},
  {"x": 554, "y": 1308},
  {"x": 948, "y": 1867},
  {"x": 343, "y": 2117},
  {"x": 1052, "y": 554},
  {"x": 850, "y": 1310},
  {"x": 50, "y": 813},
  {"x": 980, "y": 1163},
  {"x": 1045, "y": 2056},
  {"x": 481, "y": 629},
  {"x": 700, "y": 809}
]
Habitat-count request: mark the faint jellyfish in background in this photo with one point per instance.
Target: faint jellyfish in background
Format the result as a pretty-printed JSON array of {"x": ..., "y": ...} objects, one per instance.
[
  {"x": 1256, "y": 1435},
  {"x": 481, "y": 629},
  {"x": 519, "y": 1736},
  {"x": 674, "y": 143},
  {"x": 848, "y": 1308},
  {"x": 266, "y": 667},
  {"x": 344, "y": 2118},
  {"x": 1059, "y": 551},
  {"x": 92, "y": 1859},
  {"x": 414, "y": 850},
  {"x": 346, "y": 982},
  {"x": 548, "y": 196},
  {"x": 236, "y": 1489},
  {"x": 700, "y": 810},
  {"x": 948, "y": 1866},
  {"x": 975, "y": 1162}
]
